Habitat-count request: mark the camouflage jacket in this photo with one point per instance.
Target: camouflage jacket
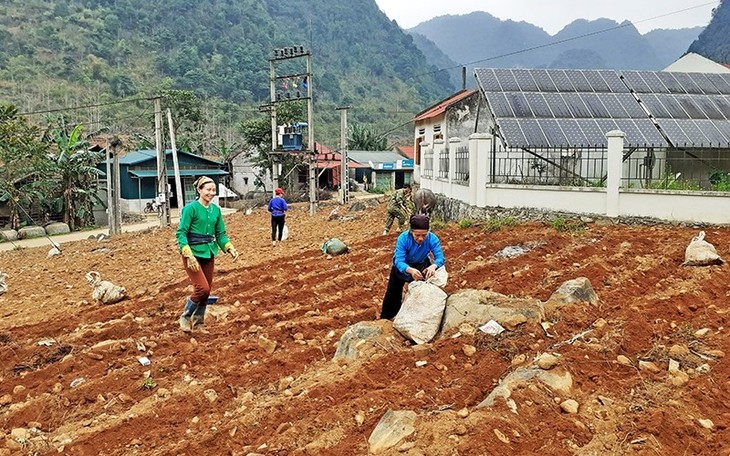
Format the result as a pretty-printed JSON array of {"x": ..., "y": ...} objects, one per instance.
[{"x": 399, "y": 201}]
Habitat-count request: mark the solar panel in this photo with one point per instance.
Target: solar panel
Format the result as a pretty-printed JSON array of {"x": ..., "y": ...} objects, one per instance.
[
  {"x": 685, "y": 80},
  {"x": 578, "y": 81},
  {"x": 675, "y": 134},
  {"x": 512, "y": 133},
  {"x": 634, "y": 134},
  {"x": 561, "y": 81},
  {"x": 557, "y": 105},
  {"x": 724, "y": 129},
  {"x": 488, "y": 81},
  {"x": 533, "y": 133},
  {"x": 519, "y": 105},
  {"x": 594, "y": 105},
  {"x": 606, "y": 125},
  {"x": 704, "y": 83},
  {"x": 650, "y": 132},
  {"x": 713, "y": 135},
  {"x": 613, "y": 81},
  {"x": 630, "y": 105},
  {"x": 596, "y": 81},
  {"x": 723, "y": 104},
  {"x": 576, "y": 105},
  {"x": 538, "y": 105},
  {"x": 690, "y": 107},
  {"x": 613, "y": 106},
  {"x": 721, "y": 83},
  {"x": 694, "y": 132},
  {"x": 506, "y": 80},
  {"x": 593, "y": 133},
  {"x": 672, "y": 105},
  {"x": 553, "y": 133},
  {"x": 655, "y": 107},
  {"x": 708, "y": 107},
  {"x": 634, "y": 80},
  {"x": 525, "y": 80},
  {"x": 544, "y": 81},
  {"x": 573, "y": 132},
  {"x": 652, "y": 80},
  {"x": 670, "y": 82}
]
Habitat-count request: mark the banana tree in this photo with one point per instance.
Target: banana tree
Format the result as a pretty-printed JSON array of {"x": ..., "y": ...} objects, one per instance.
[{"x": 74, "y": 174}]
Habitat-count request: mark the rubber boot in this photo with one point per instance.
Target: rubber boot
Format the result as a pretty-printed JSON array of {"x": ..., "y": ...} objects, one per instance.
[
  {"x": 185, "y": 323},
  {"x": 198, "y": 318}
]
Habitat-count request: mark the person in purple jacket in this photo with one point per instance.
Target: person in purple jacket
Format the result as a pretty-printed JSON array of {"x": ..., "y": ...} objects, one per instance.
[
  {"x": 278, "y": 208},
  {"x": 411, "y": 262}
]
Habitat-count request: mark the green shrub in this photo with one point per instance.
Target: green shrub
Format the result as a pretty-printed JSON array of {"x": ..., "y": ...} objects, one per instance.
[
  {"x": 437, "y": 224},
  {"x": 567, "y": 226},
  {"x": 464, "y": 223},
  {"x": 496, "y": 224}
]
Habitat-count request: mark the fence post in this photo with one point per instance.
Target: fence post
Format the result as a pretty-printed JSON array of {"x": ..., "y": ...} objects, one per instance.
[
  {"x": 480, "y": 146},
  {"x": 454, "y": 144},
  {"x": 438, "y": 149},
  {"x": 615, "y": 169}
]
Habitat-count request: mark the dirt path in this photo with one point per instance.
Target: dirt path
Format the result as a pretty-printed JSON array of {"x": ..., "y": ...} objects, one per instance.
[{"x": 223, "y": 393}]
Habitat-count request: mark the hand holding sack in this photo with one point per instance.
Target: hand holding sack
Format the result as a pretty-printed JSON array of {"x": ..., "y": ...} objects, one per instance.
[{"x": 190, "y": 259}]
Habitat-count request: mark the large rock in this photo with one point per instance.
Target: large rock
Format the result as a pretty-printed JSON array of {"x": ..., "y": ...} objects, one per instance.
[
  {"x": 476, "y": 307},
  {"x": 28, "y": 232},
  {"x": 57, "y": 228},
  {"x": 355, "y": 334},
  {"x": 393, "y": 427},
  {"x": 8, "y": 235},
  {"x": 558, "y": 380},
  {"x": 571, "y": 292}
]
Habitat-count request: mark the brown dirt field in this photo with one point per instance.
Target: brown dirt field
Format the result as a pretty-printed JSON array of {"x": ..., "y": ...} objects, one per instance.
[{"x": 296, "y": 401}]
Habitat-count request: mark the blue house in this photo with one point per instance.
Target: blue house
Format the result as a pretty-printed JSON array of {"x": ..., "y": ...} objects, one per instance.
[{"x": 138, "y": 176}]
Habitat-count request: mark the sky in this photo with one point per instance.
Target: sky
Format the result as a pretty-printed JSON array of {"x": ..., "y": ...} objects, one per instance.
[{"x": 553, "y": 15}]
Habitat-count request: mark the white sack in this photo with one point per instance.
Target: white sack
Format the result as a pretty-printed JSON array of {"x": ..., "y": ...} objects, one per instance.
[{"x": 420, "y": 316}]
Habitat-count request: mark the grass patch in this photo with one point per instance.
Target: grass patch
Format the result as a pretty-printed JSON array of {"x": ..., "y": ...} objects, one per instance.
[
  {"x": 437, "y": 224},
  {"x": 568, "y": 226},
  {"x": 496, "y": 224},
  {"x": 465, "y": 223},
  {"x": 148, "y": 384}
]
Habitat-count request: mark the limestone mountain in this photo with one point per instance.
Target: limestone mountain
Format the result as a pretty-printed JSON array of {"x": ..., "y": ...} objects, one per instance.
[{"x": 713, "y": 42}]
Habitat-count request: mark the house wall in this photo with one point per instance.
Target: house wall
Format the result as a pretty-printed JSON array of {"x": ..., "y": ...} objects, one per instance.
[
  {"x": 611, "y": 201},
  {"x": 243, "y": 180}
]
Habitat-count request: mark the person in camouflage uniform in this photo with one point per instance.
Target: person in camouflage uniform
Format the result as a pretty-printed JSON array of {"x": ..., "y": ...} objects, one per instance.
[{"x": 398, "y": 208}]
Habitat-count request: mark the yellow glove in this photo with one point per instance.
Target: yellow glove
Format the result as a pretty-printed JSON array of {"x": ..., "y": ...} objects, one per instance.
[
  {"x": 231, "y": 250},
  {"x": 192, "y": 262}
]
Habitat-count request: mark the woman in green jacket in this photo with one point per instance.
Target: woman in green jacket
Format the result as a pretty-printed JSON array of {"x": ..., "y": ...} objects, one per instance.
[{"x": 200, "y": 234}]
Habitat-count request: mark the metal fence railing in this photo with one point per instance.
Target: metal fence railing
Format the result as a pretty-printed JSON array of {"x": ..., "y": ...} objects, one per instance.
[
  {"x": 585, "y": 167},
  {"x": 461, "y": 163},
  {"x": 427, "y": 168},
  {"x": 677, "y": 170},
  {"x": 444, "y": 164}
]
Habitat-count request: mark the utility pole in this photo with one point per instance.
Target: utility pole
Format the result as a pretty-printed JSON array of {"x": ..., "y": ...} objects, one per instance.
[
  {"x": 176, "y": 166},
  {"x": 300, "y": 81},
  {"x": 117, "y": 198},
  {"x": 344, "y": 177},
  {"x": 110, "y": 211},
  {"x": 161, "y": 165}
]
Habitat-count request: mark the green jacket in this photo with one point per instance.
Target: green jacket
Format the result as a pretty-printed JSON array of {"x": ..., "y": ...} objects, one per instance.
[
  {"x": 399, "y": 201},
  {"x": 197, "y": 219}
]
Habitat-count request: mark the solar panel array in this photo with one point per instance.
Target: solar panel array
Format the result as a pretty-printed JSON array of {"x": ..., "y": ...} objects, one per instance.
[{"x": 571, "y": 108}]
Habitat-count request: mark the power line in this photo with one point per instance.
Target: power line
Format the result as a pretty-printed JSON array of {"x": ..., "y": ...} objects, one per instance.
[
  {"x": 585, "y": 35},
  {"x": 96, "y": 105}
]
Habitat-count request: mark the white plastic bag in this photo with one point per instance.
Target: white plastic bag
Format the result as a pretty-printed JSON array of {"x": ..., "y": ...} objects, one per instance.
[
  {"x": 419, "y": 318},
  {"x": 285, "y": 232}
]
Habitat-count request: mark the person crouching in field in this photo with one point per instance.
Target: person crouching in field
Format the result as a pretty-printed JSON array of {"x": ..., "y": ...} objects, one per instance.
[
  {"x": 200, "y": 234},
  {"x": 411, "y": 262}
]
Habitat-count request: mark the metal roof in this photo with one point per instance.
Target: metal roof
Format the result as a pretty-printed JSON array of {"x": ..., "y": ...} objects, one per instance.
[
  {"x": 138, "y": 156},
  {"x": 440, "y": 107},
  {"x": 142, "y": 173},
  {"x": 380, "y": 156}
]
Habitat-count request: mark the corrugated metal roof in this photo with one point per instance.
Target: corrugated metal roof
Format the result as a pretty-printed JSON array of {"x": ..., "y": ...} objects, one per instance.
[
  {"x": 138, "y": 156},
  {"x": 440, "y": 107},
  {"x": 183, "y": 172}
]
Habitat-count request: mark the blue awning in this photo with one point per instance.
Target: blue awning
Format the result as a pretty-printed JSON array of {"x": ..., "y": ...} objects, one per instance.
[{"x": 143, "y": 173}]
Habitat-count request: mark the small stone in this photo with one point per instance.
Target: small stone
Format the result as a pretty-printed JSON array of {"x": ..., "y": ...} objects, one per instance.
[
  {"x": 163, "y": 392},
  {"x": 569, "y": 406},
  {"x": 422, "y": 350},
  {"x": 463, "y": 413},
  {"x": 715, "y": 353},
  {"x": 678, "y": 351},
  {"x": 707, "y": 424},
  {"x": 211, "y": 395},
  {"x": 519, "y": 359},
  {"x": 467, "y": 329},
  {"x": 20, "y": 434},
  {"x": 95, "y": 356},
  {"x": 57, "y": 388},
  {"x": 6, "y": 399},
  {"x": 600, "y": 323},
  {"x": 678, "y": 378},
  {"x": 285, "y": 383},
  {"x": 503, "y": 438},
  {"x": 469, "y": 350},
  {"x": 407, "y": 446},
  {"x": 195, "y": 420},
  {"x": 19, "y": 389},
  {"x": 34, "y": 425},
  {"x": 547, "y": 361},
  {"x": 701, "y": 333},
  {"x": 623, "y": 360},
  {"x": 649, "y": 366},
  {"x": 673, "y": 365},
  {"x": 421, "y": 363},
  {"x": 269, "y": 346},
  {"x": 605, "y": 400},
  {"x": 360, "y": 418}
]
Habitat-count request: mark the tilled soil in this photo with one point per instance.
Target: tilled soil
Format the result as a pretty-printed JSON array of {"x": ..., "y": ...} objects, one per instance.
[{"x": 261, "y": 380}]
